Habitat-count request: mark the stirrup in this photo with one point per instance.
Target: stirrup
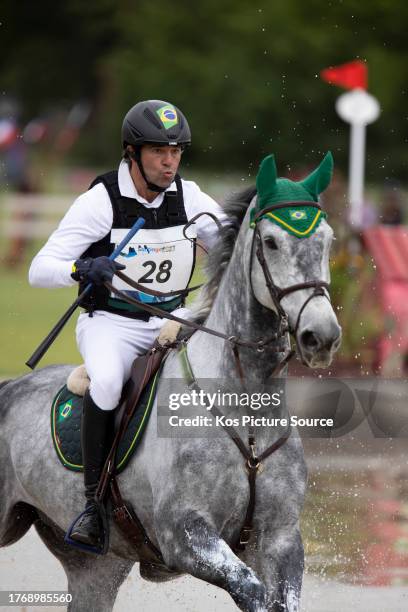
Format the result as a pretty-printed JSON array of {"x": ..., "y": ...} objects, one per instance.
[{"x": 97, "y": 550}]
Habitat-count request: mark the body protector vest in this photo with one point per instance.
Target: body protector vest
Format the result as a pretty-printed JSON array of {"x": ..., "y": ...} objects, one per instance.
[{"x": 158, "y": 256}]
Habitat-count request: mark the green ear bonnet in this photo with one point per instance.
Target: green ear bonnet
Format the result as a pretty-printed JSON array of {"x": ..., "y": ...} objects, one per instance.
[{"x": 300, "y": 221}]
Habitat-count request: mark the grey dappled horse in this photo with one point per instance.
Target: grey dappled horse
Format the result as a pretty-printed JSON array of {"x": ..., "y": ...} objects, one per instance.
[{"x": 191, "y": 494}]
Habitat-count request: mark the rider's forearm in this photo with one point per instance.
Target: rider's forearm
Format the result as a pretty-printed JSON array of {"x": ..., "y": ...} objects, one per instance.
[{"x": 46, "y": 271}]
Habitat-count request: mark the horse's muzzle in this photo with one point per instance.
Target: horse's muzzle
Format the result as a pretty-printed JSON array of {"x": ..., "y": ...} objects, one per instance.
[{"x": 318, "y": 346}]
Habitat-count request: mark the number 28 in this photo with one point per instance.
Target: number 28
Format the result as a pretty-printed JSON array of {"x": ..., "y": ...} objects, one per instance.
[{"x": 163, "y": 273}]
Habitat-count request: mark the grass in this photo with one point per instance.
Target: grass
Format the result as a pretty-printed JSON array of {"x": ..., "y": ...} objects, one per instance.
[{"x": 27, "y": 315}]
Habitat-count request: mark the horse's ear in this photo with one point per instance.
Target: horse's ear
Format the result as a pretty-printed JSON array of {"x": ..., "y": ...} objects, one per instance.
[
  {"x": 267, "y": 175},
  {"x": 320, "y": 178}
]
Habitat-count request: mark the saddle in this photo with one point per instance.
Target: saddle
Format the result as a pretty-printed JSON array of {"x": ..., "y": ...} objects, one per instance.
[
  {"x": 135, "y": 406},
  {"x": 66, "y": 416}
]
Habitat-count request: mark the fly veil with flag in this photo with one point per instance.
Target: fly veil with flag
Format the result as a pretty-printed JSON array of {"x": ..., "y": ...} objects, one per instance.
[{"x": 293, "y": 206}]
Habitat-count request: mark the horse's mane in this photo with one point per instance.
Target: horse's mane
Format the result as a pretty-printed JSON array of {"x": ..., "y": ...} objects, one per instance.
[
  {"x": 235, "y": 207},
  {"x": 3, "y": 383}
]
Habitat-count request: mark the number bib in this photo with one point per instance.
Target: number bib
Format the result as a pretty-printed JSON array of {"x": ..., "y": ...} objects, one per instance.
[{"x": 161, "y": 259}]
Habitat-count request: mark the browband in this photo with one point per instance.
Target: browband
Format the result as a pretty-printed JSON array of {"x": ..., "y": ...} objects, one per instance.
[{"x": 264, "y": 211}]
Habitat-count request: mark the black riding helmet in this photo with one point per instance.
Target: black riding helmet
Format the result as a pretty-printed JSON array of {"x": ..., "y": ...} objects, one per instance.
[{"x": 154, "y": 122}]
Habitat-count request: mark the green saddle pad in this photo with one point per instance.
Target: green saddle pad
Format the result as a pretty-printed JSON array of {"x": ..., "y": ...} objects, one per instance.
[{"x": 66, "y": 412}]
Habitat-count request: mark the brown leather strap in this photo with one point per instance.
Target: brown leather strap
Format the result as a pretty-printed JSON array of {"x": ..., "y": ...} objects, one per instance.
[
  {"x": 143, "y": 368},
  {"x": 157, "y": 312},
  {"x": 253, "y": 464},
  {"x": 317, "y": 285},
  {"x": 131, "y": 527},
  {"x": 238, "y": 364},
  {"x": 274, "y": 447},
  {"x": 144, "y": 289},
  {"x": 318, "y": 291},
  {"x": 272, "y": 288},
  {"x": 247, "y": 526}
]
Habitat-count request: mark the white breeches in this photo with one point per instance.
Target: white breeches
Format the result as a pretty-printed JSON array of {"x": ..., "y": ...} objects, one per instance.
[{"x": 109, "y": 343}]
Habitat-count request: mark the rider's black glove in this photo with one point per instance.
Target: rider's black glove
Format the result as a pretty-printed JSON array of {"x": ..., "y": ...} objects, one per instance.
[{"x": 96, "y": 270}]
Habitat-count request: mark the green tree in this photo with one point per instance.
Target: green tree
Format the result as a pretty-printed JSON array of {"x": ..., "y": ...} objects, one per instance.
[{"x": 246, "y": 74}]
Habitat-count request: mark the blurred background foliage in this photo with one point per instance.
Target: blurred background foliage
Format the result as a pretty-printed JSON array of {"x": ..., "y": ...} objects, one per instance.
[{"x": 245, "y": 74}]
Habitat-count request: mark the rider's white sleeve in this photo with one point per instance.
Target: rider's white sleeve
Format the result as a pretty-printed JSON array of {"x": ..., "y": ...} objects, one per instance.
[
  {"x": 88, "y": 220},
  {"x": 196, "y": 201}
]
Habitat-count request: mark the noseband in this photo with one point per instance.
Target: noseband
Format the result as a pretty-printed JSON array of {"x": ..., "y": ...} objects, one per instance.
[{"x": 276, "y": 292}]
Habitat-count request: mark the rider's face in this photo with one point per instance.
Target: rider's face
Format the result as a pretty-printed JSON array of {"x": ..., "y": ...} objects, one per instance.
[{"x": 161, "y": 163}]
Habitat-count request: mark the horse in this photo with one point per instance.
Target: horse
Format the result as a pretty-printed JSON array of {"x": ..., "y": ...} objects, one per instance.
[{"x": 191, "y": 493}]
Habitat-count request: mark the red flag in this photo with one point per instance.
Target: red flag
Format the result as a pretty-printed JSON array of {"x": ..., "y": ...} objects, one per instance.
[{"x": 350, "y": 76}]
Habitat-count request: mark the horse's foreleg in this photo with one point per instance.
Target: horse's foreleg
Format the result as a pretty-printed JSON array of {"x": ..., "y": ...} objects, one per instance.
[
  {"x": 279, "y": 561},
  {"x": 93, "y": 580},
  {"x": 199, "y": 551}
]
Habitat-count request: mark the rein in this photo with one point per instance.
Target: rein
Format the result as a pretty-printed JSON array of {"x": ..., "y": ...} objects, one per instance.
[
  {"x": 158, "y": 312},
  {"x": 234, "y": 341}
]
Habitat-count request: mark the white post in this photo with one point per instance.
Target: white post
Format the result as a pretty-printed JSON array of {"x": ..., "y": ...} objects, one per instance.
[
  {"x": 358, "y": 108},
  {"x": 356, "y": 173}
]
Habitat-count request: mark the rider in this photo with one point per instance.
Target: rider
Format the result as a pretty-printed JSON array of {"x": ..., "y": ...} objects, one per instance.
[{"x": 111, "y": 333}]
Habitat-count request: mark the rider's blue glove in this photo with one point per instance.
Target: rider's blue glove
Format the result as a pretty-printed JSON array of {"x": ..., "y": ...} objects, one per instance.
[{"x": 95, "y": 271}]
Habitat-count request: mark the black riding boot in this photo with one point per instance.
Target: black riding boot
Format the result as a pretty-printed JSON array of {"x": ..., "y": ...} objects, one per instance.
[{"x": 96, "y": 437}]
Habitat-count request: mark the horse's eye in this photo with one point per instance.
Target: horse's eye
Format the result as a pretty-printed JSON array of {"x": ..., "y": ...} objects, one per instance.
[{"x": 270, "y": 243}]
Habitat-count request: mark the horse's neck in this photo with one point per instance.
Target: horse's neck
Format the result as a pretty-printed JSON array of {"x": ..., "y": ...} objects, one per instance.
[{"x": 235, "y": 312}]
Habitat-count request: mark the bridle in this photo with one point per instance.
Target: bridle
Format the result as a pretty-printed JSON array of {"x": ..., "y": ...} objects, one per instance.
[{"x": 277, "y": 293}]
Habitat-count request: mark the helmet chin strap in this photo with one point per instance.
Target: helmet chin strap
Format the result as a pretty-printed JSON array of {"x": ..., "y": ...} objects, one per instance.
[{"x": 137, "y": 157}]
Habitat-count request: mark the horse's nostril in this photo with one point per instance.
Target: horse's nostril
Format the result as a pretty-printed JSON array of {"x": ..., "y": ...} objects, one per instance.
[
  {"x": 337, "y": 343},
  {"x": 309, "y": 340},
  {"x": 334, "y": 340}
]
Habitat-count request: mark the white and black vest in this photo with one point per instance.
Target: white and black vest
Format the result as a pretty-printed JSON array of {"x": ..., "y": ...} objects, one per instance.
[{"x": 158, "y": 256}]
